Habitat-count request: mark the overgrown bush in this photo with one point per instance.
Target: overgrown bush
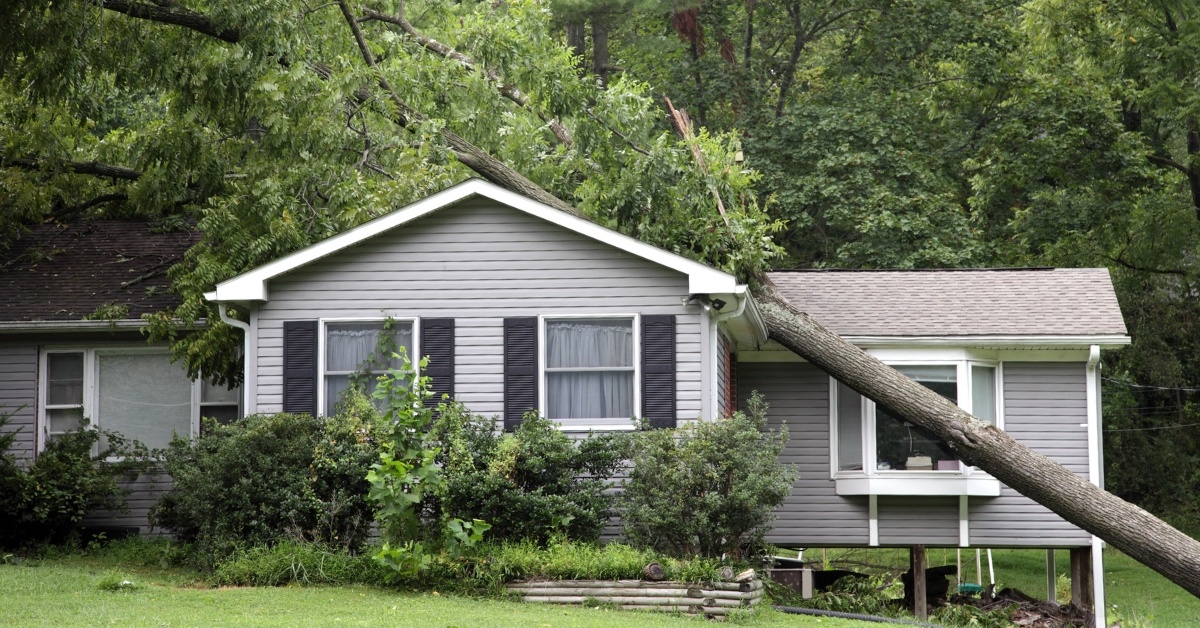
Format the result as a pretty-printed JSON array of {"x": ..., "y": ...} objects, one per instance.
[
  {"x": 292, "y": 562},
  {"x": 268, "y": 478},
  {"x": 44, "y": 500},
  {"x": 589, "y": 561},
  {"x": 529, "y": 484},
  {"x": 708, "y": 488}
]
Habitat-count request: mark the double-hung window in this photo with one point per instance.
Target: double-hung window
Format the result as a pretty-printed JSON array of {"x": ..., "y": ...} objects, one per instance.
[
  {"x": 871, "y": 443},
  {"x": 135, "y": 391},
  {"x": 358, "y": 352},
  {"x": 590, "y": 371}
]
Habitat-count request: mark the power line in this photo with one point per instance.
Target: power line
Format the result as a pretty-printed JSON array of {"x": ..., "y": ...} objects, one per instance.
[
  {"x": 1150, "y": 429},
  {"x": 1117, "y": 381}
]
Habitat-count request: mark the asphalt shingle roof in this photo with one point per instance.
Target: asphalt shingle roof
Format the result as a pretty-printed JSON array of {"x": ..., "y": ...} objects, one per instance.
[
  {"x": 66, "y": 272},
  {"x": 983, "y": 302}
]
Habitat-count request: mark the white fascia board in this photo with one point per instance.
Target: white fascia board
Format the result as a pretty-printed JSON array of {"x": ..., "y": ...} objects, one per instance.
[{"x": 252, "y": 285}]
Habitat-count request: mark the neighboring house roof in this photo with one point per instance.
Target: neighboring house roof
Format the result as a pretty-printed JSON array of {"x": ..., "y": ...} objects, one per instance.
[
  {"x": 110, "y": 269},
  {"x": 252, "y": 285},
  {"x": 1033, "y": 302}
]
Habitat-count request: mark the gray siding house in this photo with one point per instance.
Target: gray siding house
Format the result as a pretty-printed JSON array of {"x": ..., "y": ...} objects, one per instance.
[{"x": 521, "y": 306}]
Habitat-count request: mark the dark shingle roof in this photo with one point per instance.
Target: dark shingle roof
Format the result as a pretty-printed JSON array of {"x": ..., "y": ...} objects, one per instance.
[
  {"x": 61, "y": 273},
  {"x": 985, "y": 302}
]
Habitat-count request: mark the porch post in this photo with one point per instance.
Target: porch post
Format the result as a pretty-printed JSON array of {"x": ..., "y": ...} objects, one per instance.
[{"x": 916, "y": 566}]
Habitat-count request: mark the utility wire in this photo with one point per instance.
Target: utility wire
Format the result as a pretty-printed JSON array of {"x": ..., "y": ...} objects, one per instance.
[
  {"x": 1117, "y": 381},
  {"x": 1150, "y": 429}
]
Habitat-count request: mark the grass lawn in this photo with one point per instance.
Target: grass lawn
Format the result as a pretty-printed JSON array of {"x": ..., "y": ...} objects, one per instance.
[{"x": 67, "y": 592}]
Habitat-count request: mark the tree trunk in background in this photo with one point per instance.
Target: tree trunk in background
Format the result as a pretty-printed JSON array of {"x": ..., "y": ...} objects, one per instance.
[
  {"x": 575, "y": 41},
  {"x": 600, "y": 48},
  {"x": 1127, "y": 527}
]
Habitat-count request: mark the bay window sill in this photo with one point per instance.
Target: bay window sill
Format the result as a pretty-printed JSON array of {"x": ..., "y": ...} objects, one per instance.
[{"x": 952, "y": 483}]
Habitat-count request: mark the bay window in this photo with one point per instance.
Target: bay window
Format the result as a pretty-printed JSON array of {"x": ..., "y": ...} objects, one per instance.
[{"x": 872, "y": 444}]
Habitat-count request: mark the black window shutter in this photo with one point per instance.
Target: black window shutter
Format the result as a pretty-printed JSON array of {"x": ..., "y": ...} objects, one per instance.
[
  {"x": 437, "y": 343},
  {"x": 658, "y": 370},
  {"x": 300, "y": 367},
  {"x": 520, "y": 369}
]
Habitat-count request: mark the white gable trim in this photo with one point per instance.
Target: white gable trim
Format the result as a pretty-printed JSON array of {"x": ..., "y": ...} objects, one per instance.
[{"x": 252, "y": 285}]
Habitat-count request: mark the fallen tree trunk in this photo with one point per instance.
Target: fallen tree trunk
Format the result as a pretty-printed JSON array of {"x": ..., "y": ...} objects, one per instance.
[{"x": 1127, "y": 527}]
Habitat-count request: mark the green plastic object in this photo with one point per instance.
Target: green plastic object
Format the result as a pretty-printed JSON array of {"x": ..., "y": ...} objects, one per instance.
[{"x": 970, "y": 588}]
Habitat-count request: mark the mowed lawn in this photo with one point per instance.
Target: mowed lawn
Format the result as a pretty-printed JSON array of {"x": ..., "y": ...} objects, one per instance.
[{"x": 67, "y": 593}]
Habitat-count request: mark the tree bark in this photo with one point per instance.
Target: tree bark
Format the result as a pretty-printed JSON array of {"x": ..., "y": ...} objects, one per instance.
[
  {"x": 600, "y": 48},
  {"x": 1127, "y": 527}
]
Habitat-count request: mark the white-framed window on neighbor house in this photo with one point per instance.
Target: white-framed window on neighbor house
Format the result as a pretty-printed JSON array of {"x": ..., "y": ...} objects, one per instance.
[
  {"x": 351, "y": 351},
  {"x": 133, "y": 390},
  {"x": 589, "y": 371},
  {"x": 873, "y": 451}
]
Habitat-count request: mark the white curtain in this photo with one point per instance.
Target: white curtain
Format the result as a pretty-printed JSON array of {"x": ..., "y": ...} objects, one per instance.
[
  {"x": 589, "y": 369},
  {"x": 145, "y": 397},
  {"x": 348, "y": 346}
]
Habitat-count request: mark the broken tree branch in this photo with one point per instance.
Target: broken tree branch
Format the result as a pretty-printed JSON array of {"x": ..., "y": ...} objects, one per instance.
[
  {"x": 177, "y": 16},
  {"x": 508, "y": 90},
  {"x": 467, "y": 153},
  {"x": 683, "y": 126},
  {"x": 93, "y": 168}
]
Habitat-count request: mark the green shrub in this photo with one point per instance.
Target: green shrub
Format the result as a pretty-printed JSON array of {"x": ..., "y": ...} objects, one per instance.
[
  {"x": 569, "y": 560},
  {"x": 528, "y": 484},
  {"x": 708, "y": 488},
  {"x": 117, "y": 582},
  {"x": 44, "y": 500},
  {"x": 271, "y": 477},
  {"x": 290, "y": 562}
]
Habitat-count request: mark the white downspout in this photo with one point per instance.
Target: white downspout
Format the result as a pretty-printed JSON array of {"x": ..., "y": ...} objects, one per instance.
[
  {"x": 1094, "y": 475},
  {"x": 716, "y": 318},
  {"x": 245, "y": 327}
]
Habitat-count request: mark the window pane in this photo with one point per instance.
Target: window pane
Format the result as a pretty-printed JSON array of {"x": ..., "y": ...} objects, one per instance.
[
  {"x": 589, "y": 343},
  {"x": 849, "y": 426},
  {"x": 983, "y": 393},
  {"x": 64, "y": 379},
  {"x": 349, "y": 345},
  {"x": 900, "y": 445},
  {"x": 930, "y": 373},
  {"x": 337, "y": 385},
  {"x": 144, "y": 397},
  {"x": 212, "y": 393},
  {"x": 64, "y": 420},
  {"x": 594, "y": 395},
  {"x": 223, "y": 415}
]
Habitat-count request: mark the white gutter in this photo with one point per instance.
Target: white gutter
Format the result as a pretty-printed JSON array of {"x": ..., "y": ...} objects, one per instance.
[
  {"x": 1094, "y": 475},
  {"x": 245, "y": 327},
  {"x": 14, "y": 327},
  {"x": 739, "y": 293}
]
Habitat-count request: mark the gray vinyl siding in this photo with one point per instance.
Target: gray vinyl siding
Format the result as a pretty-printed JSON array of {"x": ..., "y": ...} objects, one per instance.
[
  {"x": 479, "y": 262},
  {"x": 813, "y": 515},
  {"x": 918, "y": 520},
  {"x": 18, "y": 395},
  {"x": 143, "y": 492},
  {"x": 1045, "y": 407}
]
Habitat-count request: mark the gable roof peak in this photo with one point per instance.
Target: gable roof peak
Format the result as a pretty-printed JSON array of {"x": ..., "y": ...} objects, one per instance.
[{"x": 252, "y": 285}]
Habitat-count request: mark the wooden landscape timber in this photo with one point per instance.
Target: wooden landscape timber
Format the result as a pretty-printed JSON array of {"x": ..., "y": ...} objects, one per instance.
[{"x": 711, "y": 599}]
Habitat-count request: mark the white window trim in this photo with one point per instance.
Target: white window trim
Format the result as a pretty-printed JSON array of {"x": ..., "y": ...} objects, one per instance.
[
  {"x": 414, "y": 352},
  {"x": 591, "y": 425},
  {"x": 91, "y": 393},
  {"x": 966, "y": 480}
]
